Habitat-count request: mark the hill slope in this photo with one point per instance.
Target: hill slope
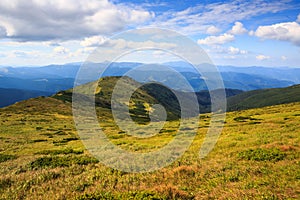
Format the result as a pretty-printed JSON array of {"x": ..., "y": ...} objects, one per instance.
[
  {"x": 41, "y": 156},
  {"x": 150, "y": 94},
  {"x": 265, "y": 97},
  {"x": 144, "y": 97}
]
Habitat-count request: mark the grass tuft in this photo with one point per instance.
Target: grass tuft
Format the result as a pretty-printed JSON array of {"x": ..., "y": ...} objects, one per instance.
[
  {"x": 61, "y": 161},
  {"x": 6, "y": 157},
  {"x": 262, "y": 154}
]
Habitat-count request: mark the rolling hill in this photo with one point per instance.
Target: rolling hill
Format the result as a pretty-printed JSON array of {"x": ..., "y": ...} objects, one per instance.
[
  {"x": 144, "y": 97},
  {"x": 152, "y": 93},
  {"x": 265, "y": 97},
  {"x": 42, "y": 156}
]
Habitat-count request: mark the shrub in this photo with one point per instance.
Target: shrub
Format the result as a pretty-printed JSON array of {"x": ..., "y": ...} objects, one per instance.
[
  {"x": 5, "y": 183},
  {"x": 61, "y": 161},
  {"x": 96, "y": 196},
  {"x": 244, "y": 119},
  {"x": 262, "y": 154},
  {"x": 61, "y": 151},
  {"x": 39, "y": 140},
  {"x": 6, "y": 157},
  {"x": 138, "y": 195}
]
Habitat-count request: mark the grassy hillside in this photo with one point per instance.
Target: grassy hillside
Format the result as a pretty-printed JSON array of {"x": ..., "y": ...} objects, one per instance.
[
  {"x": 266, "y": 97},
  {"x": 140, "y": 100},
  {"x": 256, "y": 157},
  {"x": 144, "y": 97}
]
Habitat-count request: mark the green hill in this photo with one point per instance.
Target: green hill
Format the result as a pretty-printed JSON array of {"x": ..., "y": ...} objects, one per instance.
[
  {"x": 41, "y": 157},
  {"x": 149, "y": 94},
  {"x": 257, "y": 155},
  {"x": 265, "y": 97},
  {"x": 141, "y": 100},
  {"x": 145, "y": 97}
]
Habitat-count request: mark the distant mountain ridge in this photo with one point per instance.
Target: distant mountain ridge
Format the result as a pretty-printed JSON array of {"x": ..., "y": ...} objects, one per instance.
[
  {"x": 149, "y": 94},
  {"x": 242, "y": 78},
  {"x": 279, "y": 73},
  {"x": 11, "y": 96},
  {"x": 54, "y": 78}
]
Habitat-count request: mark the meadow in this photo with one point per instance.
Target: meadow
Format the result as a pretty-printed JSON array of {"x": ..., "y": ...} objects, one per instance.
[{"x": 42, "y": 157}]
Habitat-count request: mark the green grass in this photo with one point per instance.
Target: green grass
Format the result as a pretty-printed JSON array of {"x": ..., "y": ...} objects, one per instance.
[
  {"x": 265, "y": 97},
  {"x": 6, "y": 157},
  {"x": 262, "y": 154},
  {"x": 61, "y": 161},
  {"x": 249, "y": 161}
]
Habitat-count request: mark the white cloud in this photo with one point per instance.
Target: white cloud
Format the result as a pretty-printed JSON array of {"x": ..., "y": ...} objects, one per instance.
[
  {"x": 262, "y": 57},
  {"x": 298, "y": 18},
  {"x": 212, "y": 30},
  {"x": 283, "y": 57},
  {"x": 123, "y": 44},
  {"x": 197, "y": 19},
  {"x": 289, "y": 31},
  {"x": 238, "y": 29},
  {"x": 65, "y": 20},
  {"x": 93, "y": 41},
  {"x": 82, "y": 52},
  {"x": 61, "y": 50},
  {"x": 225, "y": 51},
  {"x": 251, "y": 33},
  {"x": 213, "y": 40},
  {"x": 234, "y": 50}
]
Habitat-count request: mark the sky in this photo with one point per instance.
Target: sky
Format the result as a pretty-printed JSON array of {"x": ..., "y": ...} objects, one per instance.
[{"x": 235, "y": 32}]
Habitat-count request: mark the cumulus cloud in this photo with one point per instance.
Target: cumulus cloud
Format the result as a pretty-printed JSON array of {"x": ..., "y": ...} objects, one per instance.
[
  {"x": 64, "y": 20},
  {"x": 230, "y": 50},
  {"x": 93, "y": 41},
  {"x": 238, "y": 29},
  {"x": 283, "y": 57},
  {"x": 212, "y": 30},
  {"x": 289, "y": 31},
  {"x": 298, "y": 18},
  {"x": 262, "y": 57},
  {"x": 234, "y": 50},
  {"x": 214, "y": 40},
  {"x": 123, "y": 44},
  {"x": 61, "y": 50}
]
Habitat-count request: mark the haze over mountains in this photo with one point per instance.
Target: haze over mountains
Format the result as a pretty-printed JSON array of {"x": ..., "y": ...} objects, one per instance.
[{"x": 47, "y": 80}]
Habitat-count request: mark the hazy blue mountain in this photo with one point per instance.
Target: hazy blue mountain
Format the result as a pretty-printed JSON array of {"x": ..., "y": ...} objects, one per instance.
[
  {"x": 42, "y": 84},
  {"x": 50, "y": 71},
  {"x": 11, "y": 96},
  {"x": 279, "y": 73},
  {"x": 247, "y": 82},
  {"x": 61, "y": 77}
]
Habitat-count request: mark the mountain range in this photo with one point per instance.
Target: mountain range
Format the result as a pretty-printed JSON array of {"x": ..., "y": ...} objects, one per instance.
[{"x": 48, "y": 80}]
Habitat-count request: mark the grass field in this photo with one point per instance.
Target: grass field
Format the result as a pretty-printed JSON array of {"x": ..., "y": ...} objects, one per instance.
[{"x": 256, "y": 157}]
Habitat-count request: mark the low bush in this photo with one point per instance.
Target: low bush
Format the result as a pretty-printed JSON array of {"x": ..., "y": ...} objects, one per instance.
[
  {"x": 138, "y": 195},
  {"x": 262, "y": 154},
  {"x": 61, "y": 151},
  {"x": 61, "y": 161},
  {"x": 6, "y": 157}
]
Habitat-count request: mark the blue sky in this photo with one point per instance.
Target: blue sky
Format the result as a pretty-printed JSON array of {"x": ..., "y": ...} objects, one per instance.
[{"x": 241, "y": 33}]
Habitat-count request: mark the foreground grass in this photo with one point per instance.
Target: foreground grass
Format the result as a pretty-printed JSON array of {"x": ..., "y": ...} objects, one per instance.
[{"x": 256, "y": 157}]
